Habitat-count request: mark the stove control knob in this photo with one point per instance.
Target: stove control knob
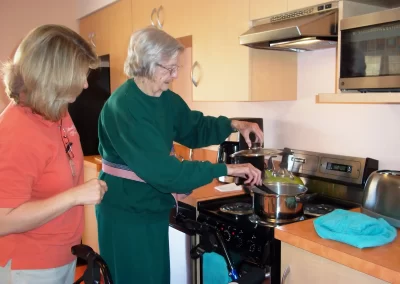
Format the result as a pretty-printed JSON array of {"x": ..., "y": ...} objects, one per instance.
[
  {"x": 252, "y": 246},
  {"x": 238, "y": 241},
  {"x": 227, "y": 235}
]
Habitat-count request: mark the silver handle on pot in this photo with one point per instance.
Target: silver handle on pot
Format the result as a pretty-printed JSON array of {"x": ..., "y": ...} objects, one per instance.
[{"x": 285, "y": 275}]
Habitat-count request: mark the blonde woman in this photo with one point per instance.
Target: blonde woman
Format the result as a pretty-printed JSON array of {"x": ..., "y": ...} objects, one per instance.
[
  {"x": 41, "y": 160},
  {"x": 137, "y": 127}
]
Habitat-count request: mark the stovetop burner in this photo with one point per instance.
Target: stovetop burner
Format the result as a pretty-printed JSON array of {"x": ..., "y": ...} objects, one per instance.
[
  {"x": 318, "y": 209},
  {"x": 237, "y": 208}
]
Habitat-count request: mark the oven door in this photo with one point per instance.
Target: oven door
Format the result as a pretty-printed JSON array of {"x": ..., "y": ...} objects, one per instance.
[{"x": 214, "y": 269}]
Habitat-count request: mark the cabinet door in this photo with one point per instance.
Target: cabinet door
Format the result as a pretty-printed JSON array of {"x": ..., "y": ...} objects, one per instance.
[
  {"x": 296, "y": 4},
  {"x": 222, "y": 70},
  {"x": 176, "y": 17},
  {"x": 96, "y": 30},
  {"x": 120, "y": 19},
  {"x": 265, "y": 8},
  {"x": 144, "y": 12},
  {"x": 306, "y": 267}
]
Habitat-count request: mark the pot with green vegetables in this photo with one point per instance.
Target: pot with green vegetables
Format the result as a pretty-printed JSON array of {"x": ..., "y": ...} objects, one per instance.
[
  {"x": 281, "y": 197},
  {"x": 279, "y": 202}
]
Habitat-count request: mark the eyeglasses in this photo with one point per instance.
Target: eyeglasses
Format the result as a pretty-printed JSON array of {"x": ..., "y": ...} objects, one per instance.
[
  {"x": 68, "y": 148},
  {"x": 171, "y": 70}
]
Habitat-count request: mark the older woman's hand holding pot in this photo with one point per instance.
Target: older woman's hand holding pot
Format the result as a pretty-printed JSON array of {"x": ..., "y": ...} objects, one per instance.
[
  {"x": 247, "y": 171},
  {"x": 245, "y": 128}
]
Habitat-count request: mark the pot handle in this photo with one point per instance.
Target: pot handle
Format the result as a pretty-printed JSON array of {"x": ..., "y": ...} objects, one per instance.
[{"x": 306, "y": 198}]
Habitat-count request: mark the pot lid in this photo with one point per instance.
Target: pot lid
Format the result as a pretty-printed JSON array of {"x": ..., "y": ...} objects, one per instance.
[{"x": 256, "y": 152}]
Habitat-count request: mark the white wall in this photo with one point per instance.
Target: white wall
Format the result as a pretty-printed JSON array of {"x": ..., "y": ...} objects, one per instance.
[
  {"x": 18, "y": 17},
  {"x": 354, "y": 130}
]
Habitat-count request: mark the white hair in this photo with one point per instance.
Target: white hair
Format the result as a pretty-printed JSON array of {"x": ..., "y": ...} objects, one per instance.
[{"x": 147, "y": 48}]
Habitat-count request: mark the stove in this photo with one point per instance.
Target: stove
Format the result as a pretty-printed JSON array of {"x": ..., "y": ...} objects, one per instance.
[{"x": 337, "y": 182}]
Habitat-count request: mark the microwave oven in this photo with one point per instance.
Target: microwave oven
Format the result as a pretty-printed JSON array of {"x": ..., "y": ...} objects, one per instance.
[{"x": 370, "y": 52}]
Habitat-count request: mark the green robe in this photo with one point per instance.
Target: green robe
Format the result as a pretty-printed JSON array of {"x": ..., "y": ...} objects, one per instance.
[{"x": 137, "y": 131}]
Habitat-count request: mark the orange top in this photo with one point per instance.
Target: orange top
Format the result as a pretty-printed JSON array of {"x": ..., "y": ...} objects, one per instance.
[{"x": 34, "y": 165}]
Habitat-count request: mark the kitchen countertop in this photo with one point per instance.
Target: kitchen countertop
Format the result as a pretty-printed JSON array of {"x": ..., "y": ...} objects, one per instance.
[
  {"x": 208, "y": 192},
  {"x": 380, "y": 262}
]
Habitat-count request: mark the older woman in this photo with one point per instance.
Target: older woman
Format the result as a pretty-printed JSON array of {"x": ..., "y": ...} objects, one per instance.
[
  {"x": 137, "y": 127},
  {"x": 41, "y": 161}
]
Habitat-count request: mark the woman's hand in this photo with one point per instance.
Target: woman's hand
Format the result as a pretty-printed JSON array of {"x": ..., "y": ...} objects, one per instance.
[
  {"x": 248, "y": 171},
  {"x": 90, "y": 192},
  {"x": 245, "y": 128}
]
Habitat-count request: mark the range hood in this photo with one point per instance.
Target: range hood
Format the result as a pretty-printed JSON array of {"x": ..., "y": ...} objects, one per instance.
[{"x": 307, "y": 29}]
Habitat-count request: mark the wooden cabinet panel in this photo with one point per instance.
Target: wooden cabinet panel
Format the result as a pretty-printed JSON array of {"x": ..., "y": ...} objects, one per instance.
[
  {"x": 306, "y": 268},
  {"x": 273, "y": 75},
  {"x": 112, "y": 27},
  {"x": 96, "y": 30},
  {"x": 176, "y": 16},
  {"x": 142, "y": 13},
  {"x": 223, "y": 64},
  {"x": 181, "y": 152},
  {"x": 121, "y": 24},
  {"x": 296, "y": 4},
  {"x": 265, "y": 8}
]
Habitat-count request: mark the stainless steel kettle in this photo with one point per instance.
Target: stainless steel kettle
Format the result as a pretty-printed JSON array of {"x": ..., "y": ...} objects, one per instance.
[{"x": 382, "y": 196}]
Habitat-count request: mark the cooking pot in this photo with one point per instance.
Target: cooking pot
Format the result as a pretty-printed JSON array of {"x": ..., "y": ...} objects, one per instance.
[
  {"x": 279, "y": 202},
  {"x": 270, "y": 173},
  {"x": 255, "y": 156}
]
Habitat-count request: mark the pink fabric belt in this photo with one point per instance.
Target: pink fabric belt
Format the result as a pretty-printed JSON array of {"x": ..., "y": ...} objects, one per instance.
[
  {"x": 124, "y": 172},
  {"x": 119, "y": 172}
]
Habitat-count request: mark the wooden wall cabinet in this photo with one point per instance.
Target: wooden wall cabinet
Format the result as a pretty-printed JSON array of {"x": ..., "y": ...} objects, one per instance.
[
  {"x": 109, "y": 30},
  {"x": 220, "y": 63},
  {"x": 222, "y": 69},
  {"x": 296, "y": 4},
  {"x": 173, "y": 16},
  {"x": 96, "y": 30},
  {"x": 261, "y": 8}
]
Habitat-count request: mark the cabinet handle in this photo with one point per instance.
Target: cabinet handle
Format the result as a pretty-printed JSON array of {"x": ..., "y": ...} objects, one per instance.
[
  {"x": 91, "y": 37},
  {"x": 285, "y": 275},
  {"x": 151, "y": 16},
  {"x": 160, "y": 24},
  {"x": 191, "y": 74}
]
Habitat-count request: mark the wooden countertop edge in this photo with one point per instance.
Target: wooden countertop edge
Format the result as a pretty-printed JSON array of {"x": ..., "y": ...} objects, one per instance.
[
  {"x": 351, "y": 261},
  {"x": 92, "y": 162}
]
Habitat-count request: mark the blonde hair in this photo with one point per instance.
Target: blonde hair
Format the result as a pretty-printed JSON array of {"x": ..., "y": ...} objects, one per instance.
[
  {"x": 49, "y": 67},
  {"x": 147, "y": 48}
]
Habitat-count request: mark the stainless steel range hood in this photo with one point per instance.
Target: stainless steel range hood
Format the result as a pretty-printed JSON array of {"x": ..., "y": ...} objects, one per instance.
[{"x": 301, "y": 30}]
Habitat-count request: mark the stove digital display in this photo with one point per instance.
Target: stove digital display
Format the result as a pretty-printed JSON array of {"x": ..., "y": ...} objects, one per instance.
[{"x": 339, "y": 167}]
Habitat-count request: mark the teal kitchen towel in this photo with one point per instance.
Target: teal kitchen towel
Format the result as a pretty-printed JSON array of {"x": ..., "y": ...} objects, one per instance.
[
  {"x": 215, "y": 270},
  {"x": 355, "y": 229}
]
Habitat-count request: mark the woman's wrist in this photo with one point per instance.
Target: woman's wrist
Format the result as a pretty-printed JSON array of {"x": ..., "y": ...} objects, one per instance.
[{"x": 234, "y": 125}]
